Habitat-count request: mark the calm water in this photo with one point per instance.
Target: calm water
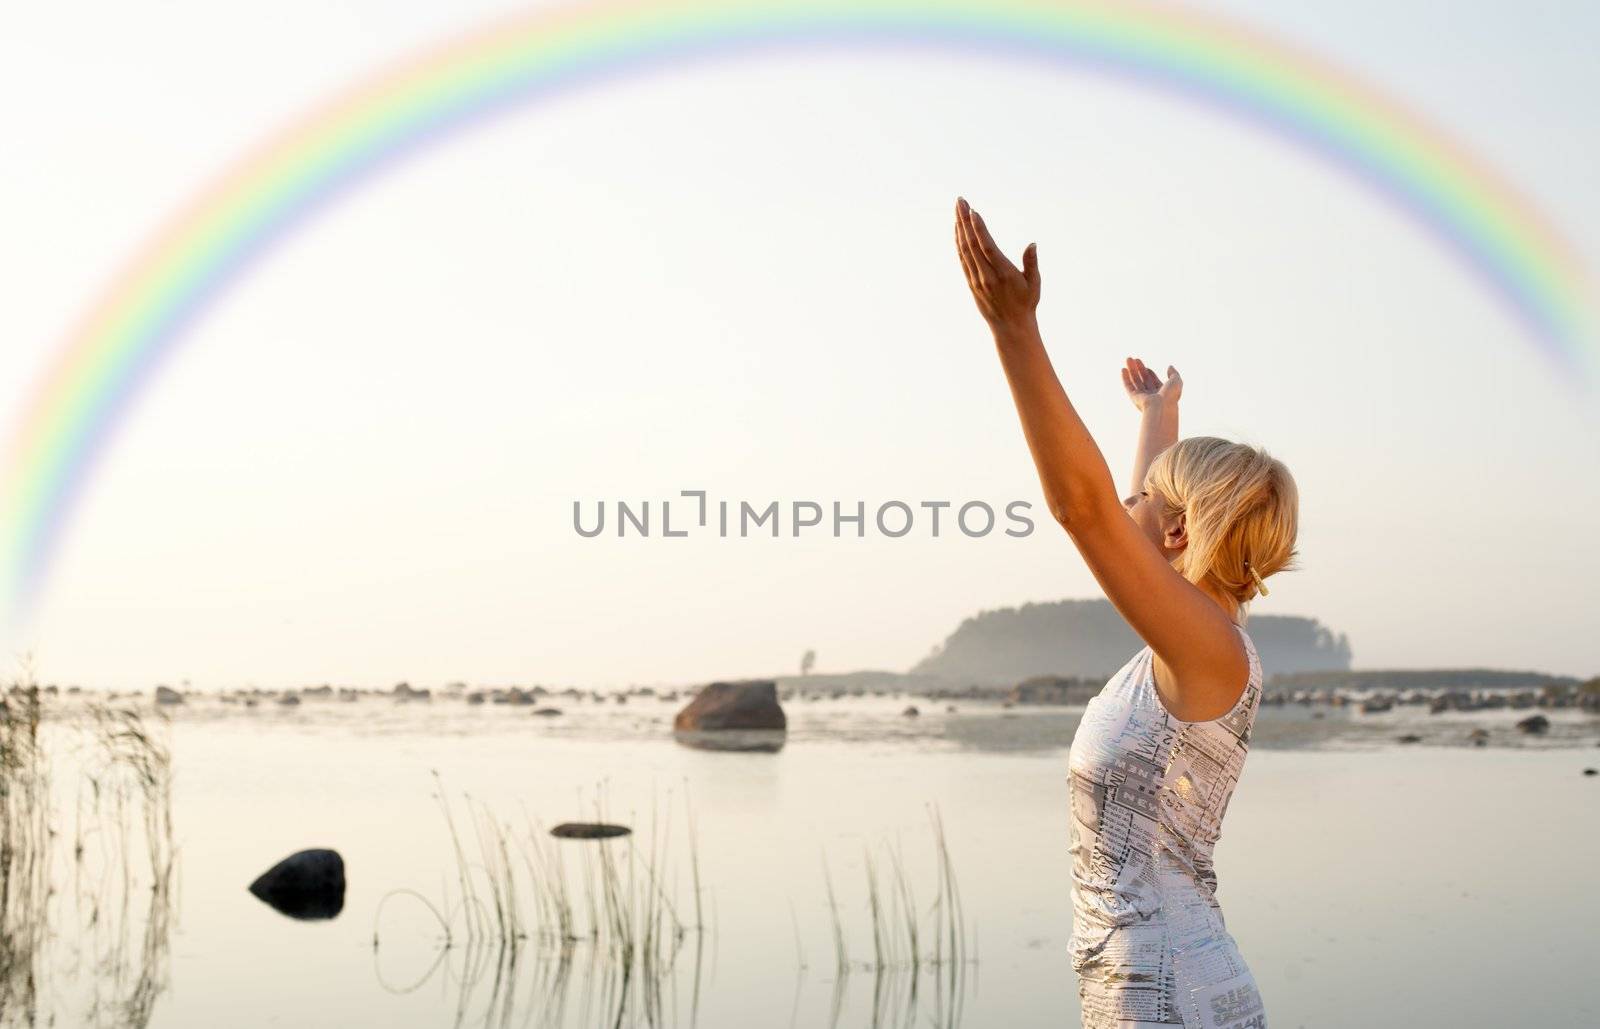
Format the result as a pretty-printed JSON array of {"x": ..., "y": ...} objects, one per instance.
[{"x": 1367, "y": 882}]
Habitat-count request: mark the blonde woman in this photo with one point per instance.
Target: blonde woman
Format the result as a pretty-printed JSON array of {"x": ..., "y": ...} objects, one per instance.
[{"x": 1160, "y": 748}]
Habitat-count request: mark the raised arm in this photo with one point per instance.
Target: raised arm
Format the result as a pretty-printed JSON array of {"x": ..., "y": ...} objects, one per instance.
[
  {"x": 1197, "y": 650},
  {"x": 1157, "y": 403}
]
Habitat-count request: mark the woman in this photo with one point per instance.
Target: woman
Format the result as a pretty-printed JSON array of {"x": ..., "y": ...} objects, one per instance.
[{"x": 1160, "y": 748}]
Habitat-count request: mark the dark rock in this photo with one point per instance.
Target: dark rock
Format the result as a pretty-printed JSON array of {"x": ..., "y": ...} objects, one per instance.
[
  {"x": 517, "y": 697},
  {"x": 307, "y": 885},
  {"x": 588, "y": 831},
  {"x": 1410, "y": 737},
  {"x": 289, "y": 700},
  {"x": 166, "y": 695},
  {"x": 548, "y": 712},
  {"x": 1053, "y": 689},
  {"x": 475, "y": 698},
  {"x": 733, "y": 705},
  {"x": 911, "y": 711},
  {"x": 1591, "y": 771},
  {"x": 1534, "y": 724}
]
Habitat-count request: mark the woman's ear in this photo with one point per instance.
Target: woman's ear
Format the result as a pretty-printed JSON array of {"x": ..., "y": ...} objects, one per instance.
[{"x": 1175, "y": 534}]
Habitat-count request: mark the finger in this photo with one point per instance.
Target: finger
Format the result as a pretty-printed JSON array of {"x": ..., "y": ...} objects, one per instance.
[
  {"x": 1140, "y": 375},
  {"x": 1127, "y": 381},
  {"x": 969, "y": 231},
  {"x": 1030, "y": 266},
  {"x": 1151, "y": 379},
  {"x": 971, "y": 265},
  {"x": 976, "y": 266},
  {"x": 988, "y": 247},
  {"x": 1172, "y": 374}
]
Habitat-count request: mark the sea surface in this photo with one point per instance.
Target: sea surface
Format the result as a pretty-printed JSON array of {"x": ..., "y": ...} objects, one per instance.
[{"x": 1368, "y": 882}]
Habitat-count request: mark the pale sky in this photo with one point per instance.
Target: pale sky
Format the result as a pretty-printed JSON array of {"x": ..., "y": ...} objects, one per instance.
[{"x": 739, "y": 277}]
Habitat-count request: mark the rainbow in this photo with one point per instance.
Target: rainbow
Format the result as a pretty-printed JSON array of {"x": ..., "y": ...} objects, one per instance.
[{"x": 146, "y": 312}]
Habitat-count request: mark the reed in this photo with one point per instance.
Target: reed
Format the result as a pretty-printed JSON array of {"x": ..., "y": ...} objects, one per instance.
[
  {"x": 24, "y": 851},
  {"x": 517, "y": 889},
  {"x": 109, "y": 969}
]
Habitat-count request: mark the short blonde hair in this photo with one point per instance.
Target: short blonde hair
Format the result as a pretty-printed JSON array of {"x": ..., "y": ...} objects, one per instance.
[{"x": 1240, "y": 507}]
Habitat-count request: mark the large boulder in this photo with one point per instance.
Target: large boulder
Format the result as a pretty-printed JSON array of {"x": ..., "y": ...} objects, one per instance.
[
  {"x": 166, "y": 695},
  {"x": 308, "y": 884},
  {"x": 733, "y": 705}
]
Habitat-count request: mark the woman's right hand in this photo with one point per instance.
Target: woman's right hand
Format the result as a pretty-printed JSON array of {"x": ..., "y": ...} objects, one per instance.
[{"x": 1144, "y": 385}]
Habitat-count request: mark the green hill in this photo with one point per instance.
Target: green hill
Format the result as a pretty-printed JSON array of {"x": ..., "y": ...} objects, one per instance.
[{"x": 1088, "y": 638}]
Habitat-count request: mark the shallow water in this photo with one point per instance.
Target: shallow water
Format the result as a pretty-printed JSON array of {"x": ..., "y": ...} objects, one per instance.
[{"x": 1367, "y": 882}]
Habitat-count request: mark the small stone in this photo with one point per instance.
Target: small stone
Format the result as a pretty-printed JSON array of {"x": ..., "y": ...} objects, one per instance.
[
  {"x": 1534, "y": 724},
  {"x": 588, "y": 831}
]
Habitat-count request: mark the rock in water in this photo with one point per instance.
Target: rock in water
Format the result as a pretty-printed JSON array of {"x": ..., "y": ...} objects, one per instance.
[
  {"x": 1534, "y": 724},
  {"x": 588, "y": 831},
  {"x": 733, "y": 705},
  {"x": 307, "y": 885},
  {"x": 167, "y": 695}
]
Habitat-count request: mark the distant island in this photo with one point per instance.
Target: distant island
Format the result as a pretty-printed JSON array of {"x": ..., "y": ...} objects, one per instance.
[{"x": 1089, "y": 639}]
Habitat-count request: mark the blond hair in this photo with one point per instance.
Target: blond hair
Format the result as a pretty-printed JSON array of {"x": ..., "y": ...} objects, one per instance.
[{"x": 1240, "y": 508}]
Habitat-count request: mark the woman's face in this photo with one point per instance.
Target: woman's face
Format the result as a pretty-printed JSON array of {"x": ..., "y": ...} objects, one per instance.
[{"x": 1147, "y": 509}]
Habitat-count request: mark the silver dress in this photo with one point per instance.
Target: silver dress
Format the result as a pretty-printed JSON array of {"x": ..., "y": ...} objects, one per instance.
[{"x": 1148, "y": 795}]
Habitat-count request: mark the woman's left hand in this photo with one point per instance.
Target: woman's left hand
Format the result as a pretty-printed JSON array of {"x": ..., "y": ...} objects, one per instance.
[{"x": 1007, "y": 297}]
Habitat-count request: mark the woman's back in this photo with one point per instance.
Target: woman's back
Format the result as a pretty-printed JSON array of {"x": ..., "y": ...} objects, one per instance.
[{"x": 1149, "y": 792}]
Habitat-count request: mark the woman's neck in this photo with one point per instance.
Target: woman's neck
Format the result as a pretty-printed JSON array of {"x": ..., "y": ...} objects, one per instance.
[{"x": 1227, "y": 601}]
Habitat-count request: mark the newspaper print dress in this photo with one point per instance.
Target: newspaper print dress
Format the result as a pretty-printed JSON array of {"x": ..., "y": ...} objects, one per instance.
[{"x": 1148, "y": 795}]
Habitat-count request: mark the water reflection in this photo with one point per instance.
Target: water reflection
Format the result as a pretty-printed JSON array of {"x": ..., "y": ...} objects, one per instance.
[
  {"x": 547, "y": 930},
  {"x": 102, "y": 959},
  {"x": 761, "y": 741}
]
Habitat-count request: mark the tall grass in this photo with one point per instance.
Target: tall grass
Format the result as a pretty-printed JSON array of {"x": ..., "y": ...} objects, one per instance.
[
  {"x": 907, "y": 940},
  {"x": 24, "y": 853},
  {"x": 109, "y": 968},
  {"x": 526, "y": 902}
]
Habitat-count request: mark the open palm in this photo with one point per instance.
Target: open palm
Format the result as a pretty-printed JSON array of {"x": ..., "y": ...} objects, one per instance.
[{"x": 1143, "y": 385}]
